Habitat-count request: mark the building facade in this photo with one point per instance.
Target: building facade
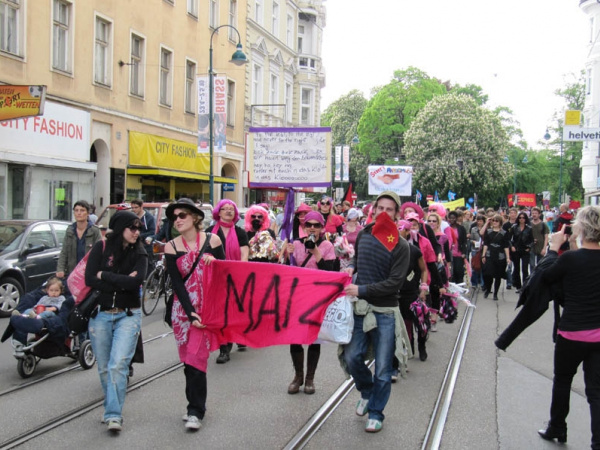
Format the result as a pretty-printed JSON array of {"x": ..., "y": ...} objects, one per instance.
[
  {"x": 286, "y": 73},
  {"x": 121, "y": 116},
  {"x": 590, "y": 160}
]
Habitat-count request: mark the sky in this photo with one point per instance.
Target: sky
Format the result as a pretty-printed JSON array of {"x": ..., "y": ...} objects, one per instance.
[{"x": 519, "y": 51}]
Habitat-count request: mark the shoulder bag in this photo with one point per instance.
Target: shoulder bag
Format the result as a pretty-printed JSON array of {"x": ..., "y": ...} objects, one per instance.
[
  {"x": 171, "y": 297},
  {"x": 76, "y": 280}
]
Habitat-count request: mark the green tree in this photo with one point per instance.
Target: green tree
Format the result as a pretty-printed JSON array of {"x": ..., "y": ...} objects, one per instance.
[
  {"x": 456, "y": 144},
  {"x": 343, "y": 117},
  {"x": 390, "y": 112}
]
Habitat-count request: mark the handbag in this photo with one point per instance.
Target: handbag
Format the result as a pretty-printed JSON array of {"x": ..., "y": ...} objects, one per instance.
[
  {"x": 338, "y": 322},
  {"x": 81, "y": 314},
  {"x": 476, "y": 261},
  {"x": 76, "y": 280},
  {"x": 171, "y": 298}
]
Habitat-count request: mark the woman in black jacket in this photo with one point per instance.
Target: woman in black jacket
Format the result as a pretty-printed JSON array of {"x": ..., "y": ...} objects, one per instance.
[
  {"x": 117, "y": 269},
  {"x": 578, "y": 336},
  {"x": 521, "y": 241}
]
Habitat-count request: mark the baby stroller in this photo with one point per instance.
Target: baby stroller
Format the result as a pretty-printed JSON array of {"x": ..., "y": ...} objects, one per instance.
[{"x": 37, "y": 339}]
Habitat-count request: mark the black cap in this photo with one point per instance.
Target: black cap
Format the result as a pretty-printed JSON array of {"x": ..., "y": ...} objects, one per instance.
[
  {"x": 121, "y": 220},
  {"x": 183, "y": 203}
]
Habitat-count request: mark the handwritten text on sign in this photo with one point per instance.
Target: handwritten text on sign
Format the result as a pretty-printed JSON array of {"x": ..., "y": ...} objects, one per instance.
[
  {"x": 289, "y": 157},
  {"x": 261, "y": 304}
]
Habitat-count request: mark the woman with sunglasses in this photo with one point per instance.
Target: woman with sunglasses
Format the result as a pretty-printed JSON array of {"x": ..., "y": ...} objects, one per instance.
[
  {"x": 434, "y": 220},
  {"x": 261, "y": 238},
  {"x": 183, "y": 256},
  {"x": 495, "y": 256},
  {"x": 521, "y": 242},
  {"x": 312, "y": 252},
  {"x": 117, "y": 269},
  {"x": 333, "y": 222}
]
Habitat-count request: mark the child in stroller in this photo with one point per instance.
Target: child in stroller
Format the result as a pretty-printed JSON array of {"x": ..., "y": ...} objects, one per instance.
[
  {"x": 52, "y": 335},
  {"x": 49, "y": 304}
]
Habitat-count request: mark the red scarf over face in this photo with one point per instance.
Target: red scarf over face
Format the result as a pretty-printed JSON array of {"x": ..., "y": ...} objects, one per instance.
[
  {"x": 385, "y": 231},
  {"x": 232, "y": 245}
]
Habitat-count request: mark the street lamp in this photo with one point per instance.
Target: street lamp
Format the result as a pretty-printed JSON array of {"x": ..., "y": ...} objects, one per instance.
[
  {"x": 547, "y": 137},
  {"x": 238, "y": 58}
]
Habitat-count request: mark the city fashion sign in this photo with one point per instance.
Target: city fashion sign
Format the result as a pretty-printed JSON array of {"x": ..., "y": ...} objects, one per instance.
[
  {"x": 61, "y": 132},
  {"x": 581, "y": 134}
]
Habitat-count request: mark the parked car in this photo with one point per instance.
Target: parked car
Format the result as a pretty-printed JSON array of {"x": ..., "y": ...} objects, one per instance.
[
  {"x": 158, "y": 210},
  {"x": 29, "y": 251}
]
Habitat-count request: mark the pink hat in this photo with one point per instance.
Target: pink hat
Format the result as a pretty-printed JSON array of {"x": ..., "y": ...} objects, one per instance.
[
  {"x": 412, "y": 205},
  {"x": 412, "y": 216},
  {"x": 314, "y": 215},
  {"x": 404, "y": 225},
  {"x": 303, "y": 208}
]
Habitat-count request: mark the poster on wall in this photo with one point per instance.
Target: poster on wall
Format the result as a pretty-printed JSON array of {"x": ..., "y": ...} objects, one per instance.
[
  {"x": 289, "y": 157},
  {"x": 219, "y": 114},
  {"x": 390, "y": 178},
  {"x": 21, "y": 101}
]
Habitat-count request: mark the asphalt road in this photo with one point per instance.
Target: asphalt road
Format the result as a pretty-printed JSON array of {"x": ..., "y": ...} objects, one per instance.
[{"x": 500, "y": 398}]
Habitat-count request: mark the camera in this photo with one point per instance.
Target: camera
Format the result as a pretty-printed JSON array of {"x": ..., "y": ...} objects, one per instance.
[
  {"x": 310, "y": 242},
  {"x": 568, "y": 229}
]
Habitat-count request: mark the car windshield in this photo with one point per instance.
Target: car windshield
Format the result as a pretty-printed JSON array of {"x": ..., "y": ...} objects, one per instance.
[{"x": 10, "y": 236}]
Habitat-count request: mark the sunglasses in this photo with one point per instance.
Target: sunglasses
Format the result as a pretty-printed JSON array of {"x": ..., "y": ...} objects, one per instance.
[
  {"x": 181, "y": 215},
  {"x": 133, "y": 228},
  {"x": 325, "y": 203},
  {"x": 256, "y": 217},
  {"x": 313, "y": 225}
]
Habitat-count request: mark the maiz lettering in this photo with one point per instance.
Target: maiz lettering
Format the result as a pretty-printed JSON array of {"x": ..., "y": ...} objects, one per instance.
[{"x": 282, "y": 303}]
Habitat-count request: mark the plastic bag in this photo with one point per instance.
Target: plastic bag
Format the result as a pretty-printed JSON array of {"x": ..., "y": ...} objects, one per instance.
[{"x": 338, "y": 322}]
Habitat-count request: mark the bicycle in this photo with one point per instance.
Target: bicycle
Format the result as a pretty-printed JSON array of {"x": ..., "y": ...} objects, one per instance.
[{"x": 158, "y": 284}]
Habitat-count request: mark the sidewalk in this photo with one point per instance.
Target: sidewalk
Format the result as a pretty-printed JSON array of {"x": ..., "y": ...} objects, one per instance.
[{"x": 503, "y": 398}]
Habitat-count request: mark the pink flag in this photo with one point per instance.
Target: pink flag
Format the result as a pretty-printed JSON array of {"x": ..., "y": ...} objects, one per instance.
[{"x": 262, "y": 304}]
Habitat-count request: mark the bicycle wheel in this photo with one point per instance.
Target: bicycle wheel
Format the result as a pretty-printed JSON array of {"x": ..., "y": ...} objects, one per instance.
[
  {"x": 151, "y": 291},
  {"x": 166, "y": 288}
]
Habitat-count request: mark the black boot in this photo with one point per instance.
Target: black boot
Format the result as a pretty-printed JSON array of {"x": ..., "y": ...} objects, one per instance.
[
  {"x": 550, "y": 433},
  {"x": 223, "y": 354},
  {"x": 298, "y": 362},
  {"x": 422, "y": 350},
  {"x": 312, "y": 359}
]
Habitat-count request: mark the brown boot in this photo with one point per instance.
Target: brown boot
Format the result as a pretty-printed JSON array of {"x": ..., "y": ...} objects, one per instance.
[
  {"x": 298, "y": 361},
  {"x": 312, "y": 359}
]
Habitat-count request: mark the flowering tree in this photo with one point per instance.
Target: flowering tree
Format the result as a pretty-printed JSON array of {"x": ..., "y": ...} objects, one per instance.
[{"x": 456, "y": 144}]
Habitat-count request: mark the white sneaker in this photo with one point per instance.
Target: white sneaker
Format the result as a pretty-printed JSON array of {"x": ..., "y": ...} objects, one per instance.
[
  {"x": 193, "y": 423},
  {"x": 373, "y": 426},
  {"x": 362, "y": 407},
  {"x": 394, "y": 375}
]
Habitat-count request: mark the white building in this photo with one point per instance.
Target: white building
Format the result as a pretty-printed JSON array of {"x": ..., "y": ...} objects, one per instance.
[{"x": 590, "y": 159}]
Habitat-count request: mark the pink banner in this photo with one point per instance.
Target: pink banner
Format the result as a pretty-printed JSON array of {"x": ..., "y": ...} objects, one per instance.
[{"x": 261, "y": 304}]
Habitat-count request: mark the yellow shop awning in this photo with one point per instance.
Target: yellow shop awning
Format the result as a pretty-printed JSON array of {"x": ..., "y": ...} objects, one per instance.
[{"x": 177, "y": 174}]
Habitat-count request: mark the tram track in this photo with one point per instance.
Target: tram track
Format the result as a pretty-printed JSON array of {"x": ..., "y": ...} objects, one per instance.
[{"x": 437, "y": 423}]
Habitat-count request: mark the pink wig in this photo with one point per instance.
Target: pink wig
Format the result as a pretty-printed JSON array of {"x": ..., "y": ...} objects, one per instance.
[
  {"x": 254, "y": 210},
  {"x": 438, "y": 208},
  {"x": 222, "y": 203}
]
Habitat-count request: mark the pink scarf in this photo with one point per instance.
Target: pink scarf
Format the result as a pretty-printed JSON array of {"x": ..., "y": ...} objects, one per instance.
[{"x": 232, "y": 245}]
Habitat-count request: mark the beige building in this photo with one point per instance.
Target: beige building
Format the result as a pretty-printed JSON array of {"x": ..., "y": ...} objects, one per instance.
[
  {"x": 121, "y": 113},
  {"x": 285, "y": 74}
]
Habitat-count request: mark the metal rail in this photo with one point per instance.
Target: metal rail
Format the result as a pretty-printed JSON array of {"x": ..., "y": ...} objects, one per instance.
[{"x": 433, "y": 436}]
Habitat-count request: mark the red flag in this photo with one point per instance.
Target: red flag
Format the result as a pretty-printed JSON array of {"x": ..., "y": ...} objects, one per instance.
[{"x": 349, "y": 195}]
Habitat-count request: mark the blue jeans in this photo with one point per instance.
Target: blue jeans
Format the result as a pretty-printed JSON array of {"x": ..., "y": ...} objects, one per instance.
[
  {"x": 374, "y": 387},
  {"x": 114, "y": 338}
]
